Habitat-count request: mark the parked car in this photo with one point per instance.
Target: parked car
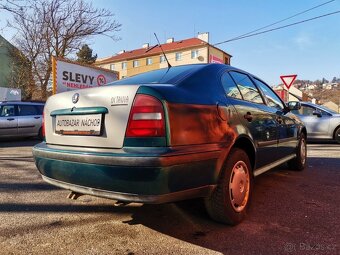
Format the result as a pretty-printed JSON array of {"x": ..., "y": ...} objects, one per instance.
[
  {"x": 172, "y": 134},
  {"x": 21, "y": 119},
  {"x": 321, "y": 123}
]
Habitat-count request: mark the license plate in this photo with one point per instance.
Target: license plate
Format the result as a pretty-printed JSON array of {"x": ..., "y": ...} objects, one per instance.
[{"x": 78, "y": 124}]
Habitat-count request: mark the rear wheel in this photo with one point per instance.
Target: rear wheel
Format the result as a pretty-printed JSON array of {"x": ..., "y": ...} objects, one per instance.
[
  {"x": 337, "y": 135},
  {"x": 299, "y": 162},
  {"x": 228, "y": 203}
]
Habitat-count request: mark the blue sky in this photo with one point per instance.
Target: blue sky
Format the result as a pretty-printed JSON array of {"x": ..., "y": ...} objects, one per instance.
[{"x": 311, "y": 50}]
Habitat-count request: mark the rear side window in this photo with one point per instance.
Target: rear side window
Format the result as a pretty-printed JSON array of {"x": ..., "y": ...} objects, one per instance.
[
  {"x": 40, "y": 109},
  {"x": 247, "y": 88},
  {"x": 230, "y": 87},
  {"x": 272, "y": 99},
  {"x": 25, "y": 110},
  {"x": 7, "y": 110}
]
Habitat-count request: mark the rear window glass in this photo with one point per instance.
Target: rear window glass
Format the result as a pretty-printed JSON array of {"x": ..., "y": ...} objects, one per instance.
[
  {"x": 171, "y": 75},
  {"x": 25, "y": 110}
]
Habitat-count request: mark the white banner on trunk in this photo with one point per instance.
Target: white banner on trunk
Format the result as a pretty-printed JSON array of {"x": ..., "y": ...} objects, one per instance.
[{"x": 68, "y": 75}]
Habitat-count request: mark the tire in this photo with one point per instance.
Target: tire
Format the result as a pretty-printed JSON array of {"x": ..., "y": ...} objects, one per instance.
[
  {"x": 299, "y": 162},
  {"x": 337, "y": 135},
  {"x": 40, "y": 136},
  {"x": 230, "y": 200}
]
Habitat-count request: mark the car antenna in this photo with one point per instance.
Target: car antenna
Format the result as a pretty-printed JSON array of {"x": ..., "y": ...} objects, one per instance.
[{"x": 163, "y": 51}]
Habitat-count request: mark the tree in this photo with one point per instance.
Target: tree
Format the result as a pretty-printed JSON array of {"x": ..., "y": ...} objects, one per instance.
[
  {"x": 324, "y": 81},
  {"x": 334, "y": 80},
  {"x": 47, "y": 28},
  {"x": 85, "y": 55},
  {"x": 21, "y": 74}
]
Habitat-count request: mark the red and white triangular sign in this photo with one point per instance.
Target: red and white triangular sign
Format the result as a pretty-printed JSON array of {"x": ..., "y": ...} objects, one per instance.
[{"x": 288, "y": 79}]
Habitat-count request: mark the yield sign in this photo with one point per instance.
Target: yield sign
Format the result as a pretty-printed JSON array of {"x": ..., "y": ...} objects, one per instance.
[{"x": 288, "y": 79}]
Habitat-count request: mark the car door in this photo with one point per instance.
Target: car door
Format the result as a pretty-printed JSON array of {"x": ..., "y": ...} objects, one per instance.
[
  {"x": 8, "y": 120},
  {"x": 260, "y": 122},
  {"x": 286, "y": 126},
  {"x": 29, "y": 120},
  {"x": 316, "y": 121}
]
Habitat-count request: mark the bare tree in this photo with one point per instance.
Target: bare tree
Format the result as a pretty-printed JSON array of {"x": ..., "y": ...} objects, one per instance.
[
  {"x": 21, "y": 76},
  {"x": 58, "y": 28}
]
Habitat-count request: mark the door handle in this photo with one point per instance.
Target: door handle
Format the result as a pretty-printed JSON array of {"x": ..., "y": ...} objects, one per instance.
[
  {"x": 37, "y": 117},
  {"x": 248, "y": 116},
  {"x": 10, "y": 119}
]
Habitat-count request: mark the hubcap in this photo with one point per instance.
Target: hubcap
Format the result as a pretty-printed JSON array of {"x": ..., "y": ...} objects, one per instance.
[
  {"x": 239, "y": 186},
  {"x": 303, "y": 151}
]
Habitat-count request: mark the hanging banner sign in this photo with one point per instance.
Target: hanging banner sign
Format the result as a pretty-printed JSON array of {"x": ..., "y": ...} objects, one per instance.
[
  {"x": 214, "y": 59},
  {"x": 69, "y": 75},
  {"x": 10, "y": 94}
]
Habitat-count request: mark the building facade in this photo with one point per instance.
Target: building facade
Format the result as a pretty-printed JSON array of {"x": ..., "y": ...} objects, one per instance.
[
  {"x": 188, "y": 51},
  {"x": 6, "y": 62},
  {"x": 15, "y": 69}
]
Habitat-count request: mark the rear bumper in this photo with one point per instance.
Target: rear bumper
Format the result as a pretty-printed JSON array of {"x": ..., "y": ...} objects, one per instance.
[{"x": 147, "y": 175}]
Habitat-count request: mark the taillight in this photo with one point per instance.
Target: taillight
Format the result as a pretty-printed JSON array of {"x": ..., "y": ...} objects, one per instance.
[
  {"x": 146, "y": 118},
  {"x": 43, "y": 126}
]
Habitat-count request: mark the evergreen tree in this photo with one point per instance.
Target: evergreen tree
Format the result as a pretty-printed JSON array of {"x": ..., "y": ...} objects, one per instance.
[{"x": 85, "y": 55}]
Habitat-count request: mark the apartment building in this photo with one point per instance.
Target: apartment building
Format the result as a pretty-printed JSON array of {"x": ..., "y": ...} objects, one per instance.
[{"x": 188, "y": 51}]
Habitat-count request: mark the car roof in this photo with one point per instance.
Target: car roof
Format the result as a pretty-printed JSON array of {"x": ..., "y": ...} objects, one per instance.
[
  {"x": 176, "y": 75},
  {"x": 21, "y": 102}
]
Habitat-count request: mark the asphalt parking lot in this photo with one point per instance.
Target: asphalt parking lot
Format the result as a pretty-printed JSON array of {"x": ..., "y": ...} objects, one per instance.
[{"x": 291, "y": 213}]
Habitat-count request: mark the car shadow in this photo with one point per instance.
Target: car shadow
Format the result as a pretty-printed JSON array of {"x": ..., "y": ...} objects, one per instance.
[
  {"x": 271, "y": 217},
  {"x": 18, "y": 142}
]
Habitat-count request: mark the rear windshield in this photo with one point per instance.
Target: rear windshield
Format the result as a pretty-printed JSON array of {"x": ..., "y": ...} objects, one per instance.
[{"x": 166, "y": 75}]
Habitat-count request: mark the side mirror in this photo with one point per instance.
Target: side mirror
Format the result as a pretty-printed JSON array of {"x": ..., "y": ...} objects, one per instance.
[
  {"x": 293, "y": 105},
  {"x": 317, "y": 113}
]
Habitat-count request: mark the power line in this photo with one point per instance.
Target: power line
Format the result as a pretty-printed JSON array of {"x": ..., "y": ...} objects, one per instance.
[
  {"x": 250, "y": 34},
  {"x": 277, "y": 22},
  {"x": 277, "y": 28}
]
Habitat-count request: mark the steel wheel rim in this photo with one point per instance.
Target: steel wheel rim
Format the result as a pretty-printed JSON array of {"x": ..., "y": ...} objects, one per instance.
[
  {"x": 239, "y": 185},
  {"x": 337, "y": 136},
  {"x": 303, "y": 151}
]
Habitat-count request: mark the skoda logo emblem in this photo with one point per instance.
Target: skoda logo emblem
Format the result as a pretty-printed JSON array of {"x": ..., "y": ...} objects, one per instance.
[{"x": 75, "y": 98}]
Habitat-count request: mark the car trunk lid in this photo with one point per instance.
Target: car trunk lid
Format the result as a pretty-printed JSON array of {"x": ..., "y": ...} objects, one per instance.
[{"x": 95, "y": 117}]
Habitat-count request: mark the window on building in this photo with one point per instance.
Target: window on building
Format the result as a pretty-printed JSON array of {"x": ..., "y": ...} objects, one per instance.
[
  {"x": 124, "y": 65},
  {"x": 178, "y": 56},
  {"x": 226, "y": 61},
  {"x": 135, "y": 63},
  {"x": 148, "y": 61},
  {"x": 161, "y": 59},
  {"x": 194, "y": 54},
  {"x": 112, "y": 66}
]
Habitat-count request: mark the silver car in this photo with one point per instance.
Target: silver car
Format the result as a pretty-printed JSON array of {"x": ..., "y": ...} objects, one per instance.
[
  {"x": 21, "y": 119},
  {"x": 321, "y": 122}
]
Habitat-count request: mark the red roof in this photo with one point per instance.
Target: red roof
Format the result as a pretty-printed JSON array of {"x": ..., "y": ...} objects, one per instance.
[{"x": 154, "y": 50}]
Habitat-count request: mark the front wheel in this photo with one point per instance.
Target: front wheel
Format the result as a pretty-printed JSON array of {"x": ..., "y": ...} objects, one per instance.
[
  {"x": 228, "y": 203},
  {"x": 337, "y": 135},
  {"x": 299, "y": 162}
]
